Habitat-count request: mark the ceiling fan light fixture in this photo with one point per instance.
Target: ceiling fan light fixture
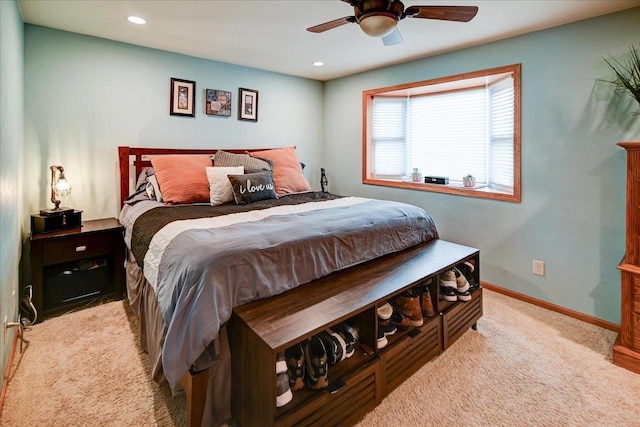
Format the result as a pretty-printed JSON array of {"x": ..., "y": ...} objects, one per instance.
[{"x": 378, "y": 24}]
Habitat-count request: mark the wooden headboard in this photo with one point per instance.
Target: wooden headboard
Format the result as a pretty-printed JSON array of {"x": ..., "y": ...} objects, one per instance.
[{"x": 138, "y": 157}]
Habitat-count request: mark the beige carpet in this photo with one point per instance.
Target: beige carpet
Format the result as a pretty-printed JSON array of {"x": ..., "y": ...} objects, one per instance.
[{"x": 524, "y": 366}]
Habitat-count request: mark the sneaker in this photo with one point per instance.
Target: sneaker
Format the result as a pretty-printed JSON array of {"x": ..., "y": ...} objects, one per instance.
[
  {"x": 427, "y": 304},
  {"x": 382, "y": 339},
  {"x": 461, "y": 282},
  {"x": 399, "y": 321},
  {"x": 283, "y": 392},
  {"x": 408, "y": 304},
  {"x": 281, "y": 364},
  {"x": 317, "y": 371},
  {"x": 335, "y": 351},
  {"x": 347, "y": 333},
  {"x": 294, "y": 357},
  {"x": 351, "y": 330},
  {"x": 463, "y": 296},
  {"x": 384, "y": 311},
  {"x": 342, "y": 344},
  {"x": 467, "y": 268},
  {"x": 474, "y": 286},
  {"x": 387, "y": 327},
  {"x": 448, "y": 286}
]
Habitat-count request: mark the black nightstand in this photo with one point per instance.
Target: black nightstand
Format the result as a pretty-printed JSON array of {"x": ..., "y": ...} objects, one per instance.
[{"x": 72, "y": 266}]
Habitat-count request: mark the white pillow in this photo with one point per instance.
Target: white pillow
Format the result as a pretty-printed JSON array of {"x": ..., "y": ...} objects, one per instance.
[
  {"x": 153, "y": 188},
  {"x": 219, "y": 186}
]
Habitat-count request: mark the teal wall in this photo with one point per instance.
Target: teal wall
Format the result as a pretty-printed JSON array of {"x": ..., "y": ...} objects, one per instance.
[
  {"x": 84, "y": 96},
  {"x": 573, "y": 175},
  {"x": 11, "y": 165}
]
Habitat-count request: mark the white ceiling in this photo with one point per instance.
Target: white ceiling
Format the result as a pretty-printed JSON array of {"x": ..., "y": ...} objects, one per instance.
[{"x": 271, "y": 35}]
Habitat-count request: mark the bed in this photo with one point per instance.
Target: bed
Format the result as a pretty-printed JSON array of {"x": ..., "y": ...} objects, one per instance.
[{"x": 190, "y": 261}]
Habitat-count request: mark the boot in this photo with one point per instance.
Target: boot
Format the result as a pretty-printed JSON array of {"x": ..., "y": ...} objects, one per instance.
[
  {"x": 427, "y": 304},
  {"x": 408, "y": 304}
]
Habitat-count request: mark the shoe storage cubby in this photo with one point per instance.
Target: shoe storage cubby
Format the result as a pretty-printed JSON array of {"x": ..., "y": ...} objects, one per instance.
[{"x": 259, "y": 331}]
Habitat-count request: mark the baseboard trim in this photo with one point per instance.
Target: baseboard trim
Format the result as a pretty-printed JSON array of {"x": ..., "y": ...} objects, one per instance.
[
  {"x": 7, "y": 375},
  {"x": 553, "y": 307}
]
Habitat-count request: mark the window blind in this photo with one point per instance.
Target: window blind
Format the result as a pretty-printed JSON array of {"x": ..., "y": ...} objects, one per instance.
[
  {"x": 450, "y": 134},
  {"x": 389, "y": 137},
  {"x": 501, "y": 134}
]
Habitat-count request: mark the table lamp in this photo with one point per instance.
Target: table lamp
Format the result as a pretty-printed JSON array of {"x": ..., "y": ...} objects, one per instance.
[
  {"x": 59, "y": 187},
  {"x": 56, "y": 218}
]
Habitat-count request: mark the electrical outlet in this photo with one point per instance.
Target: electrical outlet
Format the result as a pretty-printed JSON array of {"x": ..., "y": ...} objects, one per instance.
[{"x": 538, "y": 267}]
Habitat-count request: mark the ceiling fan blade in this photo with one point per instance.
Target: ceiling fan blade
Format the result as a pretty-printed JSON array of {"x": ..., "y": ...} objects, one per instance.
[
  {"x": 444, "y": 13},
  {"x": 394, "y": 37},
  {"x": 332, "y": 24}
]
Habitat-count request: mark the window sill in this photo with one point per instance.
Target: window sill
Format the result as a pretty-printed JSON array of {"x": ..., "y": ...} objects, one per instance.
[{"x": 482, "y": 192}]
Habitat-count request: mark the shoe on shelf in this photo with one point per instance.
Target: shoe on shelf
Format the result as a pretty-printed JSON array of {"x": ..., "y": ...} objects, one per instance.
[
  {"x": 382, "y": 339},
  {"x": 427, "y": 304},
  {"x": 463, "y": 296},
  {"x": 317, "y": 366},
  {"x": 283, "y": 391},
  {"x": 399, "y": 321},
  {"x": 384, "y": 311},
  {"x": 351, "y": 330},
  {"x": 461, "y": 282},
  {"x": 346, "y": 333},
  {"x": 341, "y": 343},
  {"x": 408, "y": 304},
  {"x": 387, "y": 327},
  {"x": 294, "y": 357},
  {"x": 448, "y": 286},
  {"x": 281, "y": 363},
  {"x": 334, "y": 345},
  {"x": 474, "y": 286},
  {"x": 467, "y": 268}
]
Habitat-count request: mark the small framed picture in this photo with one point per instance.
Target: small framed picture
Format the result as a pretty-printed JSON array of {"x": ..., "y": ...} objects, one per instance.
[
  {"x": 218, "y": 103},
  {"x": 183, "y": 98},
  {"x": 248, "y": 105}
]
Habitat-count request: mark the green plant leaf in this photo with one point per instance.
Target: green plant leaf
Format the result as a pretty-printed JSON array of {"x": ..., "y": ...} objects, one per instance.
[{"x": 627, "y": 74}]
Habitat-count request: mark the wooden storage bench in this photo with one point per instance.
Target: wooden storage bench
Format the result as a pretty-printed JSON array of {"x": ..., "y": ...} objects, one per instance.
[{"x": 264, "y": 328}]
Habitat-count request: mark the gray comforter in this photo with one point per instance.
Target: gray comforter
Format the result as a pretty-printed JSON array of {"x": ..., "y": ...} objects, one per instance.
[{"x": 203, "y": 261}]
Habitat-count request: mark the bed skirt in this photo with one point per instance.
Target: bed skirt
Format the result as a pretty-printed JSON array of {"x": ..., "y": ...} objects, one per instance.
[{"x": 217, "y": 357}]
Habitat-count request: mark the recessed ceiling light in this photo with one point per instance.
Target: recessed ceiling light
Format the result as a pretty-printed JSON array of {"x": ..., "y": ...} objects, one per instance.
[
  {"x": 136, "y": 20},
  {"x": 318, "y": 63}
]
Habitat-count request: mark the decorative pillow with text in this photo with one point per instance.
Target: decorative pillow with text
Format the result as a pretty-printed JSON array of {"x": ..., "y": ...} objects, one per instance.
[{"x": 252, "y": 187}]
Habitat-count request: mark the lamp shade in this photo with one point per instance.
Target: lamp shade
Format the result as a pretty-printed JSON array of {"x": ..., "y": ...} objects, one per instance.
[
  {"x": 63, "y": 188},
  {"x": 378, "y": 24}
]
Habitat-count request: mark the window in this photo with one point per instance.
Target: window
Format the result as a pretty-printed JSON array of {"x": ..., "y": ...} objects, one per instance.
[{"x": 451, "y": 127}]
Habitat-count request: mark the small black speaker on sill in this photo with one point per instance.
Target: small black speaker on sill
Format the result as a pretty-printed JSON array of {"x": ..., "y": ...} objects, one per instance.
[
  {"x": 436, "y": 180},
  {"x": 54, "y": 222}
]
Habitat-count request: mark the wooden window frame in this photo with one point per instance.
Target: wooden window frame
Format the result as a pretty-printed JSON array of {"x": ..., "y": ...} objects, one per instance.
[{"x": 417, "y": 88}]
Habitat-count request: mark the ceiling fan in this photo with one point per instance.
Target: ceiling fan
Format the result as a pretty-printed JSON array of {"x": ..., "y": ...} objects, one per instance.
[{"x": 379, "y": 18}]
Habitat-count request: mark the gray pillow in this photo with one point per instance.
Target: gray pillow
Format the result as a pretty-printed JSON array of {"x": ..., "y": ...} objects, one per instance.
[
  {"x": 251, "y": 164},
  {"x": 252, "y": 187}
]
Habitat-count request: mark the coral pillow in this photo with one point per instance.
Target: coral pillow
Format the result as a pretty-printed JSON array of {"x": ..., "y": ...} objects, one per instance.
[
  {"x": 182, "y": 178},
  {"x": 287, "y": 173}
]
